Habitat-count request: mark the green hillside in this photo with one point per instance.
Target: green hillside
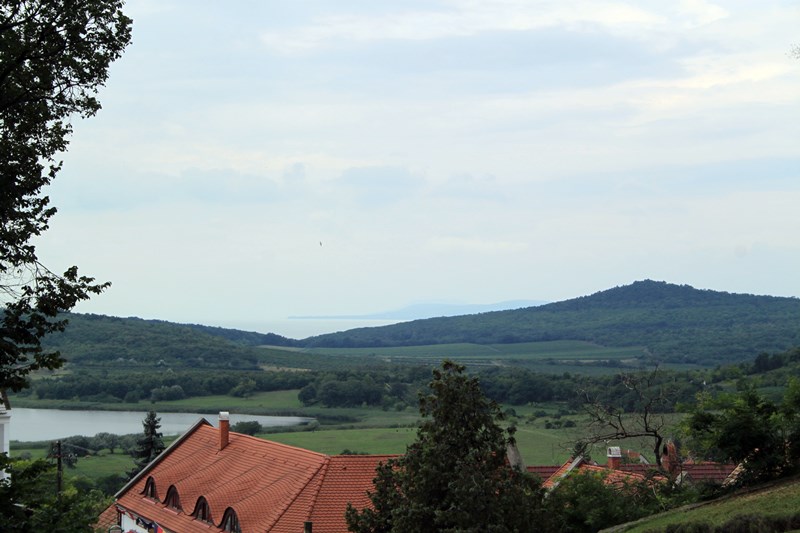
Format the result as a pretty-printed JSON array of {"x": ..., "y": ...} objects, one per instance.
[
  {"x": 115, "y": 342},
  {"x": 648, "y": 321},
  {"x": 771, "y": 507},
  {"x": 673, "y": 323}
]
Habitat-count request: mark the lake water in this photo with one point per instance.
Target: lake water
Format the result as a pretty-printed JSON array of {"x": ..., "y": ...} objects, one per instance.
[{"x": 51, "y": 424}]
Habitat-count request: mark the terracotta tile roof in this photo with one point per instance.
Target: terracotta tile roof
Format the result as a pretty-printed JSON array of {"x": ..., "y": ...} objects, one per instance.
[
  {"x": 617, "y": 477},
  {"x": 543, "y": 471},
  {"x": 272, "y": 487},
  {"x": 107, "y": 518},
  {"x": 347, "y": 480},
  {"x": 707, "y": 472}
]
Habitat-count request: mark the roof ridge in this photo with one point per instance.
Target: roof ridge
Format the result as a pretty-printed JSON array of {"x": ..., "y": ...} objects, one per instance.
[
  {"x": 315, "y": 497},
  {"x": 367, "y": 455},
  {"x": 299, "y": 492},
  {"x": 279, "y": 444}
]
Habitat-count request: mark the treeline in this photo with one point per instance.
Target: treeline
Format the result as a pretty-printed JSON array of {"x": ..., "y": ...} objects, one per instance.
[
  {"x": 399, "y": 390},
  {"x": 132, "y": 387},
  {"x": 396, "y": 389}
]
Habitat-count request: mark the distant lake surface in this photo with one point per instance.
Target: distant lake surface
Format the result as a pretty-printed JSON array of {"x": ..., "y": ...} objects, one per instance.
[{"x": 51, "y": 424}]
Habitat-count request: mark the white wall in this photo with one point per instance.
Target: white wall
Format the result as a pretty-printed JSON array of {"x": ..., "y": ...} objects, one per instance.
[{"x": 5, "y": 434}]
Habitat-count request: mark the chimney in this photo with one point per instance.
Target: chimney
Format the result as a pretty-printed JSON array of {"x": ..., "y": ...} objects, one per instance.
[
  {"x": 224, "y": 428},
  {"x": 308, "y": 527},
  {"x": 614, "y": 457},
  {"x": 670, "y": 460}
]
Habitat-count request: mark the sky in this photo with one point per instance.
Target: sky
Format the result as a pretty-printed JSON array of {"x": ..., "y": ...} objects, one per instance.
[{"x": 256, "y": 160}]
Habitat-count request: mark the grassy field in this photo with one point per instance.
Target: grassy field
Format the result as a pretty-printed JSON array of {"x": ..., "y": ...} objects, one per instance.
[
  {"x": 549, "y": 356},
  {"x": 557, "y": 350},
  {"x": 777, "y": 499}
]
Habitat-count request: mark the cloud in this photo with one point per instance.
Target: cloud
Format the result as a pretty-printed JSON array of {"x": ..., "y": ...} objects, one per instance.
[
  {"x": 449, "y": 245},
  {"x": 377, "y": 186},
  {"x": 455, "y": 19}
]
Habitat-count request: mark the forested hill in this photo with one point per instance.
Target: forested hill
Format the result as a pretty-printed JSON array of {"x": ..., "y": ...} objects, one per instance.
[
  {"x": 106, "y": 340},
  {"x": 674, "y": 322}
]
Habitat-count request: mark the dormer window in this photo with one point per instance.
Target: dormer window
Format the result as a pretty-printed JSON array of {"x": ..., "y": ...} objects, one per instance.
[
  {"x": 150, "y": 489},
  {"x": 201, "y": 511},
  {"x": 230, "y": 522},
  {"x": 173, "y": 501}
]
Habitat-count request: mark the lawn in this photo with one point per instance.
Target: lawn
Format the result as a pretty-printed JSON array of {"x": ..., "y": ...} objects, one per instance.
[{"x": 777, "y": 499}]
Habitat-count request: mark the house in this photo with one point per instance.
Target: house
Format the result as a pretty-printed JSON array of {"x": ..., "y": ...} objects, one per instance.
[
  {"x": 213, "y": 479},
  {"x": 5, "y": 427},
  {"x": 619, "y": 473},
  {"x": 613, "y": 474}
]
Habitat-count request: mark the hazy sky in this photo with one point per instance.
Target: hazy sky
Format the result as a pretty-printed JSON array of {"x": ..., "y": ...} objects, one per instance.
[{"x": 260, "y": 159}]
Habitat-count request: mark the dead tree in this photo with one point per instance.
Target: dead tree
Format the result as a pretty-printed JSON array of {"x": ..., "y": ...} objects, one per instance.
[{"x": 609, "y": 422}]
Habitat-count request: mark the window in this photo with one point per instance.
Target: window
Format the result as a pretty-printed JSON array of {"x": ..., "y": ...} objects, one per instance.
[
  {"x": 150, "y": 489},
  {"x": 230, "y": 522},
  {"x": 173, "y": 500},
  {"x": 201, "y": 511}
]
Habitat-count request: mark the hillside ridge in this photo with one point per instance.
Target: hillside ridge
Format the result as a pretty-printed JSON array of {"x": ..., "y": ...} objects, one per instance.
[
  {"x": 672, "y": 323},
  {"x": 675, "y": 323}
]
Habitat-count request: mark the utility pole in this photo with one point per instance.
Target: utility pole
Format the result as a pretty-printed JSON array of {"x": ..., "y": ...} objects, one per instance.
[{"x": 59, "y": 471}]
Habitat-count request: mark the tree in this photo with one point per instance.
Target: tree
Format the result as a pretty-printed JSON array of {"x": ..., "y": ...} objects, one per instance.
[
  {"x": 54, "y": 56},
  {"x": 29, "y": 502},
  {"x": 248, "y": 427},
  {"x": 644, "y": 418},
  {"x": 749, "y": 429},
  {"x": 584, "y": 502},
  {"x": 455, "y": 476},
  {"x": 149, "y": 445}
]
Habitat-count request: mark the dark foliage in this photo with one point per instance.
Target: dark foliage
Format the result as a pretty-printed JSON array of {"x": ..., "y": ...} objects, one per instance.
[
  {"x": 29, "y": 502},
  {"x": 584, "y": 503},
  {"x": 54, "y": 55},
  {"x": 247, "y": 427},
  {"x": 454, "y": 477},
  {"x": 134, "y": 385},
  {"x": 747, "y": 428}
]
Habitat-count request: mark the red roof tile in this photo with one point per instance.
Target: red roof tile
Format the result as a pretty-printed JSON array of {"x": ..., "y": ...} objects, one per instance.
[
  {"x": 612, "y": 476},
  {"x": 272, "y": 487},
  {"x": 543, "y": 471}
]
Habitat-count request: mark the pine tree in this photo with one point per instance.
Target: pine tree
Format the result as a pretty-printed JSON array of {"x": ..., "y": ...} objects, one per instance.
[
  {"x": 149, "y": 445},
  {"x": 455, "y": 476}
]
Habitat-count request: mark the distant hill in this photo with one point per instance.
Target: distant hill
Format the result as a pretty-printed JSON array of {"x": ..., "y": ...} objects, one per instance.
[
  {"x": 430, "y": 310},
  {"x": 676, "y": 323},
  {"x": 673, "y": 323},
  {"x": 132, "y": 342}
]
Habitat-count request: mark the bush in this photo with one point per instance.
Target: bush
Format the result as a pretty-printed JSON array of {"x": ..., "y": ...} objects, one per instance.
[{"x": 248, "y": 427}]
